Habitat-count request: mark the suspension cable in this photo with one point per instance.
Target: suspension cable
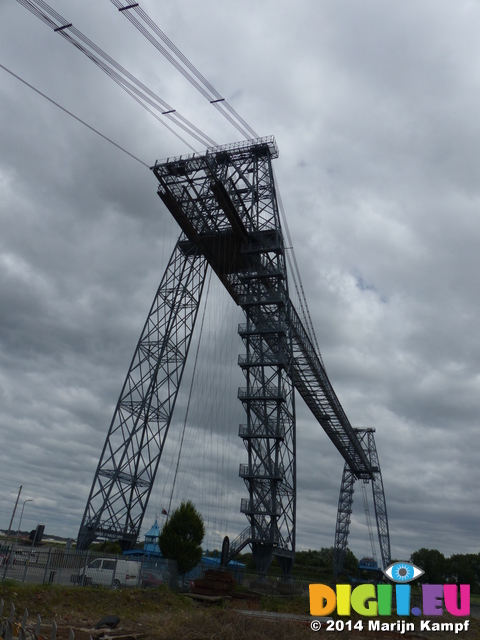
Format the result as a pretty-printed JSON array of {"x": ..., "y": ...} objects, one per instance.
[
  {"x": 188, "y": 70},
  {"x": 74, "y": 116},
  {"x": 136, "y": 89},
  {"x": 295, "y": 272},
  {"x": 190, "y": 393},
  {"x": 369, "y": 521}
]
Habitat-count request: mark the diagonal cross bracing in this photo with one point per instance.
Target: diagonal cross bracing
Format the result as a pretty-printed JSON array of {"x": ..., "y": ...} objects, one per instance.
[
  {"x": 379, "y": 502},
  {"x": 226, "y": 205},
  {"x": 247, "y": 205},
  {"x": 130, "y": 457},
  {"x": 313, "y": 384},
  {"x": 345, "y": 502}
]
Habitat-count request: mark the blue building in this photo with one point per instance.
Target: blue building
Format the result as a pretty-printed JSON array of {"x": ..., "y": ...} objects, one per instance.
[
  {"x": 153, "y": 561},
  {"x": 150, "y": 550}
]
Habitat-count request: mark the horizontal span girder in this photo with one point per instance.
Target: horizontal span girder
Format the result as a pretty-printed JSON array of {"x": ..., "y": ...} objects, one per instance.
[
  {"x": 251, "y": 507},
  {"x": 124, "y": 478},
  {"x": 112, "y": 534},
  {"x": 261, "y": 431},
  {"x": 265, "y": 393},
  {"x": 218, "y": 215},
  {"x": 246, "y": 471}
]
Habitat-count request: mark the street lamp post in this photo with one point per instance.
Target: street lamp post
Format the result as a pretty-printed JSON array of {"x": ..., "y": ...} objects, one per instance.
[
  {"x": 20, "y": 523},
  {"x": 11, "y": 554}
]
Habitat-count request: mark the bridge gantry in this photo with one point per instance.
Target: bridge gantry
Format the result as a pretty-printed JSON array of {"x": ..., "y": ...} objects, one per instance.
[{"x": 226, "y": 206}]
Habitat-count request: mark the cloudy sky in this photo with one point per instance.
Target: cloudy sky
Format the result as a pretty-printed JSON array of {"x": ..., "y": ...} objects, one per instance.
[{"x": 375, "y": 108}]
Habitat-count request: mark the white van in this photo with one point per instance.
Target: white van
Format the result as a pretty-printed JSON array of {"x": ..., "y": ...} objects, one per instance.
[{"x": 109, "y": 572}]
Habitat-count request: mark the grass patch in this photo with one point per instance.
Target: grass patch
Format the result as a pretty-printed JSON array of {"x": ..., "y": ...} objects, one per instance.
[
  {"x": 157, "y": 613},
  {"x": 90, "y": 603},
  {"x": 298, "y": 605},
  {"x": 163, "y": 615}
]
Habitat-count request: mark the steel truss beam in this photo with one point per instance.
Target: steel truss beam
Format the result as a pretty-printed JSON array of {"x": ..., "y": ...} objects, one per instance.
[
  {"x": 268, "y": 398},
  {"x": 226, "y": 206},
  {"x": 379, "y": 502},
  {"x": 225, "y": 203},
  {"x": 344, "y": 514},
  {"x": 129, "y": 460},
  {"x": 345, "y": 503}
]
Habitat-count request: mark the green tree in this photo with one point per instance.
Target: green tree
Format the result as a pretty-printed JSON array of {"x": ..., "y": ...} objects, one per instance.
[
  {"x": 351, "y": 562},
  {"x": 182, "y": 536},
  {"x": 433, "y": 562},
  {"x": 465, "y": 569},
  {"x": 323, "y": 559},
  {"x": 106, "y": 546}
]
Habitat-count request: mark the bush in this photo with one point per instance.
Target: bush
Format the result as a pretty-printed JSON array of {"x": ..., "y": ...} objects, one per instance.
[{"x": 182, "y": 536}]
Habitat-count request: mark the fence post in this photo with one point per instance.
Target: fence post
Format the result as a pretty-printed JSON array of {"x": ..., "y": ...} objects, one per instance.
[
  {"x": 7, "y": 562},
  {"x": 38, "y": 626},
  {"x": 140, "y": 577},
  {"x": 27, "y": 562},
  {"x": 114, "y": 572},
  {"x": 47, "y": 564},
  {"x": 9, "y": 625},
  {"x": 53, "y": 566},
  {"x": 87, "y": 555},
  {"x": 23, "y": 625}
]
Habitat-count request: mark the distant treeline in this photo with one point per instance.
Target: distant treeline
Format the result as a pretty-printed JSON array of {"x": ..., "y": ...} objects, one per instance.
[
  {"x": 310, "y": 562},
  {"x": 459, "y": 568},
  {"x": 323, "y": 559}
]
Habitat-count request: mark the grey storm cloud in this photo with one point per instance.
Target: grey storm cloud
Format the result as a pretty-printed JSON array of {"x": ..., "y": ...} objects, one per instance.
[{"x": 375, "y": 110}]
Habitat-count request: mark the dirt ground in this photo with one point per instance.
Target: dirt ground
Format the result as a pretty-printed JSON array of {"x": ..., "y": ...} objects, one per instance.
[{"x": 158, "y": 614}]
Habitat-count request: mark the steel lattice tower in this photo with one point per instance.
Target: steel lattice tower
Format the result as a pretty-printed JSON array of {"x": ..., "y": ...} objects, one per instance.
[
  {"x": 226, "y": 206},
  {"x": 131, "y": 454},
  {"x": 345, "y": 503}
]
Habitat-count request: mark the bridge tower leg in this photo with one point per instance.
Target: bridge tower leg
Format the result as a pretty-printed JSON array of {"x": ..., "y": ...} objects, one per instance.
[
  {"x": 345, "y": 503},
  {"x": 379, "y": 502},
  {"x": 344, "y": 515},
  {"x": 225, "y": 202},
  {"x": 268, "y": 398},
  {"x": 128, "y": 463}
]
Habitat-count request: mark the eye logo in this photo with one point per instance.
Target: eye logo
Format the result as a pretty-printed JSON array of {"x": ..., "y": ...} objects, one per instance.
[{"x": 403, "y": 572}]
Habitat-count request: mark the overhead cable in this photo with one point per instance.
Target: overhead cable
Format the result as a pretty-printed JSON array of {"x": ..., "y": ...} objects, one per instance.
[
  {"x": 184, "y": 66},
  {"x": 74, "y": 116},
  {"x": 295, "y": 273},
  {"x": 134, "y": 87},
  {"x": 190, "y": 394}
]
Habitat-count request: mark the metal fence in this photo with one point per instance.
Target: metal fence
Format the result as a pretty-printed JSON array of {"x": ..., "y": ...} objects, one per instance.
[
  {"x": 11, "y": 630},
  {"x": 59, "y": 566},
  {"x": 83, "y": 568}
]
